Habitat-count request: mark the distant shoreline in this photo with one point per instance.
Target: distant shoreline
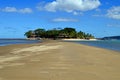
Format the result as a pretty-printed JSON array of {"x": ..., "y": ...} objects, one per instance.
[{"x": 79, "y": 39}]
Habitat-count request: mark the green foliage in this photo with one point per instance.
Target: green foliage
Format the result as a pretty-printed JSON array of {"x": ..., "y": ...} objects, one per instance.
[
  {"x": 83, "y": 35},
  {"x": 29, "y": 33},
  {"x": 58, "y": 33},
  {"x": 39, "y": 32},
  {"x": 68, "y": 32},
  {"x": 52, "y": 34}
]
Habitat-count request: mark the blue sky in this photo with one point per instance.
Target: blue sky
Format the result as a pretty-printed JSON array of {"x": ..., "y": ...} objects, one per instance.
[{"x": 98, "y": 17}]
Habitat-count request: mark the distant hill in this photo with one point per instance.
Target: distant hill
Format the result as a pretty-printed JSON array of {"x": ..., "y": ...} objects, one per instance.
[{"x": 111, "y": 38}]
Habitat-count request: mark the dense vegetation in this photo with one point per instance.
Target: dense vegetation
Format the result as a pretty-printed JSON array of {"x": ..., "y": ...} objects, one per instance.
[{"x": 58, "y": 34}]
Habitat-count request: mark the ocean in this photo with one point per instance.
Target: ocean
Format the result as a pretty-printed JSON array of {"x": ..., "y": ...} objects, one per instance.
[
  {"x": 106, "y": 44},
  {"x": 4, "y": 42}
]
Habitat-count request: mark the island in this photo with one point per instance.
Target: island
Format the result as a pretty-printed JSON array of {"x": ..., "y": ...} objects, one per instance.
[{"x": 66, "y": 33}]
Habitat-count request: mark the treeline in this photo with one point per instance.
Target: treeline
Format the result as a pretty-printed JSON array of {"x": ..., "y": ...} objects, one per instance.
[{"x": 58, "y": 34}]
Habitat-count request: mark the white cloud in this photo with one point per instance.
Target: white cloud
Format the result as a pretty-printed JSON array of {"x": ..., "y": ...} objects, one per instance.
[
  {"x": 77, "y": 13},
  {"x": 13, "y": 9},
  {"x": 114, "y": 12},
  {"x": 9, "y": 9},
  {"x": 64, "y": 20},
  {"x": 25, "y": 10},
  {"x": 72, "y": 5}
]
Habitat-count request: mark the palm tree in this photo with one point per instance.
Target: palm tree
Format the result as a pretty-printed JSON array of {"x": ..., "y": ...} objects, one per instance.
[{"x": 81, "y": 35}]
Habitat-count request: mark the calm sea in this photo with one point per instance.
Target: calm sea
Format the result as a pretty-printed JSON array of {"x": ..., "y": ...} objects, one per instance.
[
  {"x": 107, "y": 44},
  {"x": 4, "y": 42}
]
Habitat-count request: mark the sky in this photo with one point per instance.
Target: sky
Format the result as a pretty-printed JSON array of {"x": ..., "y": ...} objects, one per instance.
[{"x": 99, "y": 17}]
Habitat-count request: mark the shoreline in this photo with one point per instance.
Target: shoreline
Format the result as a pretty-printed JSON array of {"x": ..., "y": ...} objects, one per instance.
[
  {"x": 8, "y": 48},
  {"x": 96, "y": 47},
  {"x": 5, "y": 42},
  {"x": 56, "y": 60},
  {"x": 95, "y": 44},
  {"x": 49, "y": 41},
  {"x": 80, "y": 39}
]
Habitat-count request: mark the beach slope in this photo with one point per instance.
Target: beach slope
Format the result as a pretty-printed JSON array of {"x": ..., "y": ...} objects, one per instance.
[{"x": 58, "y": 61}]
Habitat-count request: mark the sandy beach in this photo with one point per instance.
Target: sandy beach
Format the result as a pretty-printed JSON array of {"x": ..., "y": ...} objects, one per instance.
[{"x": 55, "y": 60}]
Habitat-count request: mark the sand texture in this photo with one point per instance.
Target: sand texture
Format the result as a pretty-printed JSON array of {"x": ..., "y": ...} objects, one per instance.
[{"x": 56, "y": 60}]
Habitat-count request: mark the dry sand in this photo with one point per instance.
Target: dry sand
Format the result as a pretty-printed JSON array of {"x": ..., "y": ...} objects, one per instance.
[{"x": 58, "y": 61}]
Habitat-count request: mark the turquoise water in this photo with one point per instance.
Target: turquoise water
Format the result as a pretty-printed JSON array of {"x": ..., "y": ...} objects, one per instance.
[
  {"x": 4, "y": 42},
  {"x": 107, "y": 44}
]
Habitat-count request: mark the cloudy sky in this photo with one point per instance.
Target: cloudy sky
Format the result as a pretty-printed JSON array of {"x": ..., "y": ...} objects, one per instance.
[{"x": 98, "y": 17}]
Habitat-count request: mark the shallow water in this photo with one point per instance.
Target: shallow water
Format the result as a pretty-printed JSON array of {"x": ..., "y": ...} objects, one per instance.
[
  {"x": 107, "y": 44},
  {"x": 4, "y": 42}
]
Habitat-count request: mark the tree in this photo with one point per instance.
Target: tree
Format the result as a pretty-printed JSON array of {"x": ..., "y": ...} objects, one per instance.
[
  {"x": 58, "y": 33},
  {"x": 29, "y": 34},
  {"x": 52, "y": 33},
  {"x": 89, "y": 36},
  {"x": 39, "y": 32},
  {"x": 81, "y": 35},
  {"x": 68, "y": 33}
]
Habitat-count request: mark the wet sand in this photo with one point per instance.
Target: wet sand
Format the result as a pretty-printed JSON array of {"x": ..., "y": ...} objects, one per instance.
[{"x": 56, "y": 60}]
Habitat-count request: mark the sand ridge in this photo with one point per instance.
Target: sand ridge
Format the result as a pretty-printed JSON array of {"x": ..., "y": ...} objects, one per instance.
[
  {"x": 65, "y": 61},
  {"x": 36, "y": 48},
  {"x": 19, "y": 53}
]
